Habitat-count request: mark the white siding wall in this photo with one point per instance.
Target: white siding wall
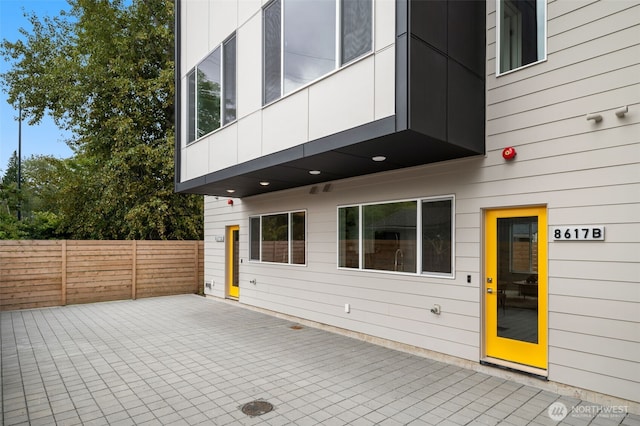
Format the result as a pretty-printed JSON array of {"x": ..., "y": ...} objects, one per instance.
[
  {"x": 584, "y": 172},
  {"x": 330, "y": 105},
  {"x": 588, "y": 174}
]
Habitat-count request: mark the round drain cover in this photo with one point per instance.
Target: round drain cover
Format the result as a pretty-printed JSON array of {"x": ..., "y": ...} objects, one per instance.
[{"x": 256, "y": 408}]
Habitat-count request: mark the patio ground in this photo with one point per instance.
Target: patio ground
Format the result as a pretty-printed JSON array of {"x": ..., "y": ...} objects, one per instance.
[{"x": 187, "y": 360}]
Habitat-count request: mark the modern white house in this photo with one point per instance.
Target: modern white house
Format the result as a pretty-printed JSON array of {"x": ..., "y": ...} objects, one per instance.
[{"x": 457, "y": 177}]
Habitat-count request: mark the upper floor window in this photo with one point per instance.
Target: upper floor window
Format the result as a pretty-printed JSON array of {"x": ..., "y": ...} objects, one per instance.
[
  {"x": 211, "y": 94},
  {"x": 402, "y": 236},
  {"x": 521, "y": 29},
  {"x": 278, "y": 238},
  {"x": 301, "y": 43}
]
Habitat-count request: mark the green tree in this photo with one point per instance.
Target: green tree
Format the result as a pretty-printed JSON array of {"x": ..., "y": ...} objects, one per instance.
[
  {"x": 9, "y": 201},
  {"x": 39, "y": 217},
  {"x": 208, "y": 105},
  {"x": 11, "y": 198},
  {"x": 104, "y": 71}
]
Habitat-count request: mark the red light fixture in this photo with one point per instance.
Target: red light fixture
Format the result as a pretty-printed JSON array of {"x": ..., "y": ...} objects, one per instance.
[
  {"x": 509, "y": 153},
  {"x": 230, "y": 202}
]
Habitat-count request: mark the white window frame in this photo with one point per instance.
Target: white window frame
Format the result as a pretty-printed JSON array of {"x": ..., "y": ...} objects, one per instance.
[
  {"x": 194, "y": 71},
  {"x": 338, "y": 46},
  {"x": 289, "y": 214},
  {"x": 541, "y": 5},
  {"x": 419, "y": 239}
]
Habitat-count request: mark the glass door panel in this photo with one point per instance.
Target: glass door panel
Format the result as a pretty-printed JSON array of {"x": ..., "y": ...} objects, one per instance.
[{"x": 517, "y": 307}]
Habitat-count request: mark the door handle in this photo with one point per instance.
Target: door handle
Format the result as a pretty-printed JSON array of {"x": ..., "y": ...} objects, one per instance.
[{"x": 490, "y": 290}]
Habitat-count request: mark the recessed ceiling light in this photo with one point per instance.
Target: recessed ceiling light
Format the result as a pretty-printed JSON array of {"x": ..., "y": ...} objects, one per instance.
[
  {"x": 231, "y": 191},
  {"x": 264, "y": 183},
  {"x": 379, "y": 158},
  {"x": 314, "y": 172}
]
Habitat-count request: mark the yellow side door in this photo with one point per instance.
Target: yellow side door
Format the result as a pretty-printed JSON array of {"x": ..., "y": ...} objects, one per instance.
[
  {"x": 515, "y": 286},
  {"x": 233, "y": 261}
]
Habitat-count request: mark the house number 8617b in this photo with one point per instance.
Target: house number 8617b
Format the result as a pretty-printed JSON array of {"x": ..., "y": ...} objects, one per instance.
[{"x": 582, "y": 233}]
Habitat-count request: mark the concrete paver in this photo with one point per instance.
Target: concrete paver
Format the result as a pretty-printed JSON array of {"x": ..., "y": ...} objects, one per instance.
[{"x": 187, "y": 360}]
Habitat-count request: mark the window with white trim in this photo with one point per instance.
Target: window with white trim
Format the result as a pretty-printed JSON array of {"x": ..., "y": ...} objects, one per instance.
[
  {"x": 399, "y": 236},
  {"x": 211, "y": 91},
  {"x": 278, "y": 238},
  {"x": 521, "y": 29},
  {"x": 306, "y": 39}
]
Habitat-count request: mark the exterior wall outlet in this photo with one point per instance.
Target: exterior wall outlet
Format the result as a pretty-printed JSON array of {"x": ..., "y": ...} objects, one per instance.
[{"x": 347, "y": 308}]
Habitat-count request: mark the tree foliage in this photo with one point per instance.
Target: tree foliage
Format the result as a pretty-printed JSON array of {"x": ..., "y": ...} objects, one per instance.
[
  {"x": 10, "y": 197},
  {"x": 34, "y": 223},
  {"x": 104, "y": 71}
]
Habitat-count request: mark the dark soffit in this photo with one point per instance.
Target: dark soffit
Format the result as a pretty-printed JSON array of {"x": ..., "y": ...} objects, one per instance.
[{"x": 344, "y": 155}]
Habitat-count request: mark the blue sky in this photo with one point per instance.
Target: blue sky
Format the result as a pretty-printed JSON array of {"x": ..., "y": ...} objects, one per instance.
[{"x": 43, "y": 138}]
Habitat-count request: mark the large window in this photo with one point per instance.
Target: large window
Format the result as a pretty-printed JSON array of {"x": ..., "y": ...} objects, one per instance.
[
  {"x": 301, "y": 43},
  {"x": 211, "y": 95},
  {"x": 278, "y": 238},
  {"x": 522, "y": 33},
  {"x": 384, "y": 237}
]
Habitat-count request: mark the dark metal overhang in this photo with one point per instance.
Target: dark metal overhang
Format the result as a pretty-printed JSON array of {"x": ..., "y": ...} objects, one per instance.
[
  {"x": 439, "y": 110},
  {"x": 343, "y": 155}
]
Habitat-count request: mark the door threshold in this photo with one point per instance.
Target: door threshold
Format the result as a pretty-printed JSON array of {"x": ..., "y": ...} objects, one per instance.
[{"x": 514, "y": 367}]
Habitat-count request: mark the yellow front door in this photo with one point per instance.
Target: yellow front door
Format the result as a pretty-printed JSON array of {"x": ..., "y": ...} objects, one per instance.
[
  {"x": 515, "y": 286},
  {"x": 233, "y": 261}
]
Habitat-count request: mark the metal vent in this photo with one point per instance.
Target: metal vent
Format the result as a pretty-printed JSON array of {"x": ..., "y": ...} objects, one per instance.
[{"x": 256, "y": 408}]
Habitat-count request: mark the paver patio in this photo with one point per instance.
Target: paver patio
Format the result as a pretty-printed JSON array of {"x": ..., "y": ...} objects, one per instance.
[{"x": 187, "y": 360}]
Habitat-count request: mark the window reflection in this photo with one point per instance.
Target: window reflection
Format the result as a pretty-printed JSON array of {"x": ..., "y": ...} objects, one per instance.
[
  {"x": 278, "y": 238},
  {"x": 517, "y": 307},
  {"x": 437, "y": 230},
  {"x": 309, "y": 41},
  {"x": 522, "y": 33},
  {"x": 303, "y": 39},
  {"x": 275, "y": 238},
  {"x": 208, "y": 80},
  {"x": 389, "y": 232},
  {"x": 272, "y": 41},
  {"x": 229, "y": 87},
  {"x": 349, "y": 237},
  {"x": 385, "y": 236},
  {"x": 356, "y": 29}
]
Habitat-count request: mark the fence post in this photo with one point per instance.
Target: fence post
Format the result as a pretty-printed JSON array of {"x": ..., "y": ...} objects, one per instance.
[
  {"x": 63, "y": 272},
  {"x": 134, "y": 269},
  {"x": 197, "y": 269}
]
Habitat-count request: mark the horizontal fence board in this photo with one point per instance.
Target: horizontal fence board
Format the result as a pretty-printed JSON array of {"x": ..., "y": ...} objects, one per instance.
[
  {"x": 121, "y": 287},
  {"x": 97, "y": 268},
  {"x": 89, "y": 285},
  {"x": 35, "y": 273},
  {"x": 15, "y": 256},
  {"x": 32, "y": 295},
  {"x": 39, "y": 264},
  {"x": 183, "y": 269},
  {"x": 34, "y": 289}
]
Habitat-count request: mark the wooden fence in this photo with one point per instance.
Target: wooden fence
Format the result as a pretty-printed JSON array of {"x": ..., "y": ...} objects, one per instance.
[{"x": 52, "y": 273}]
